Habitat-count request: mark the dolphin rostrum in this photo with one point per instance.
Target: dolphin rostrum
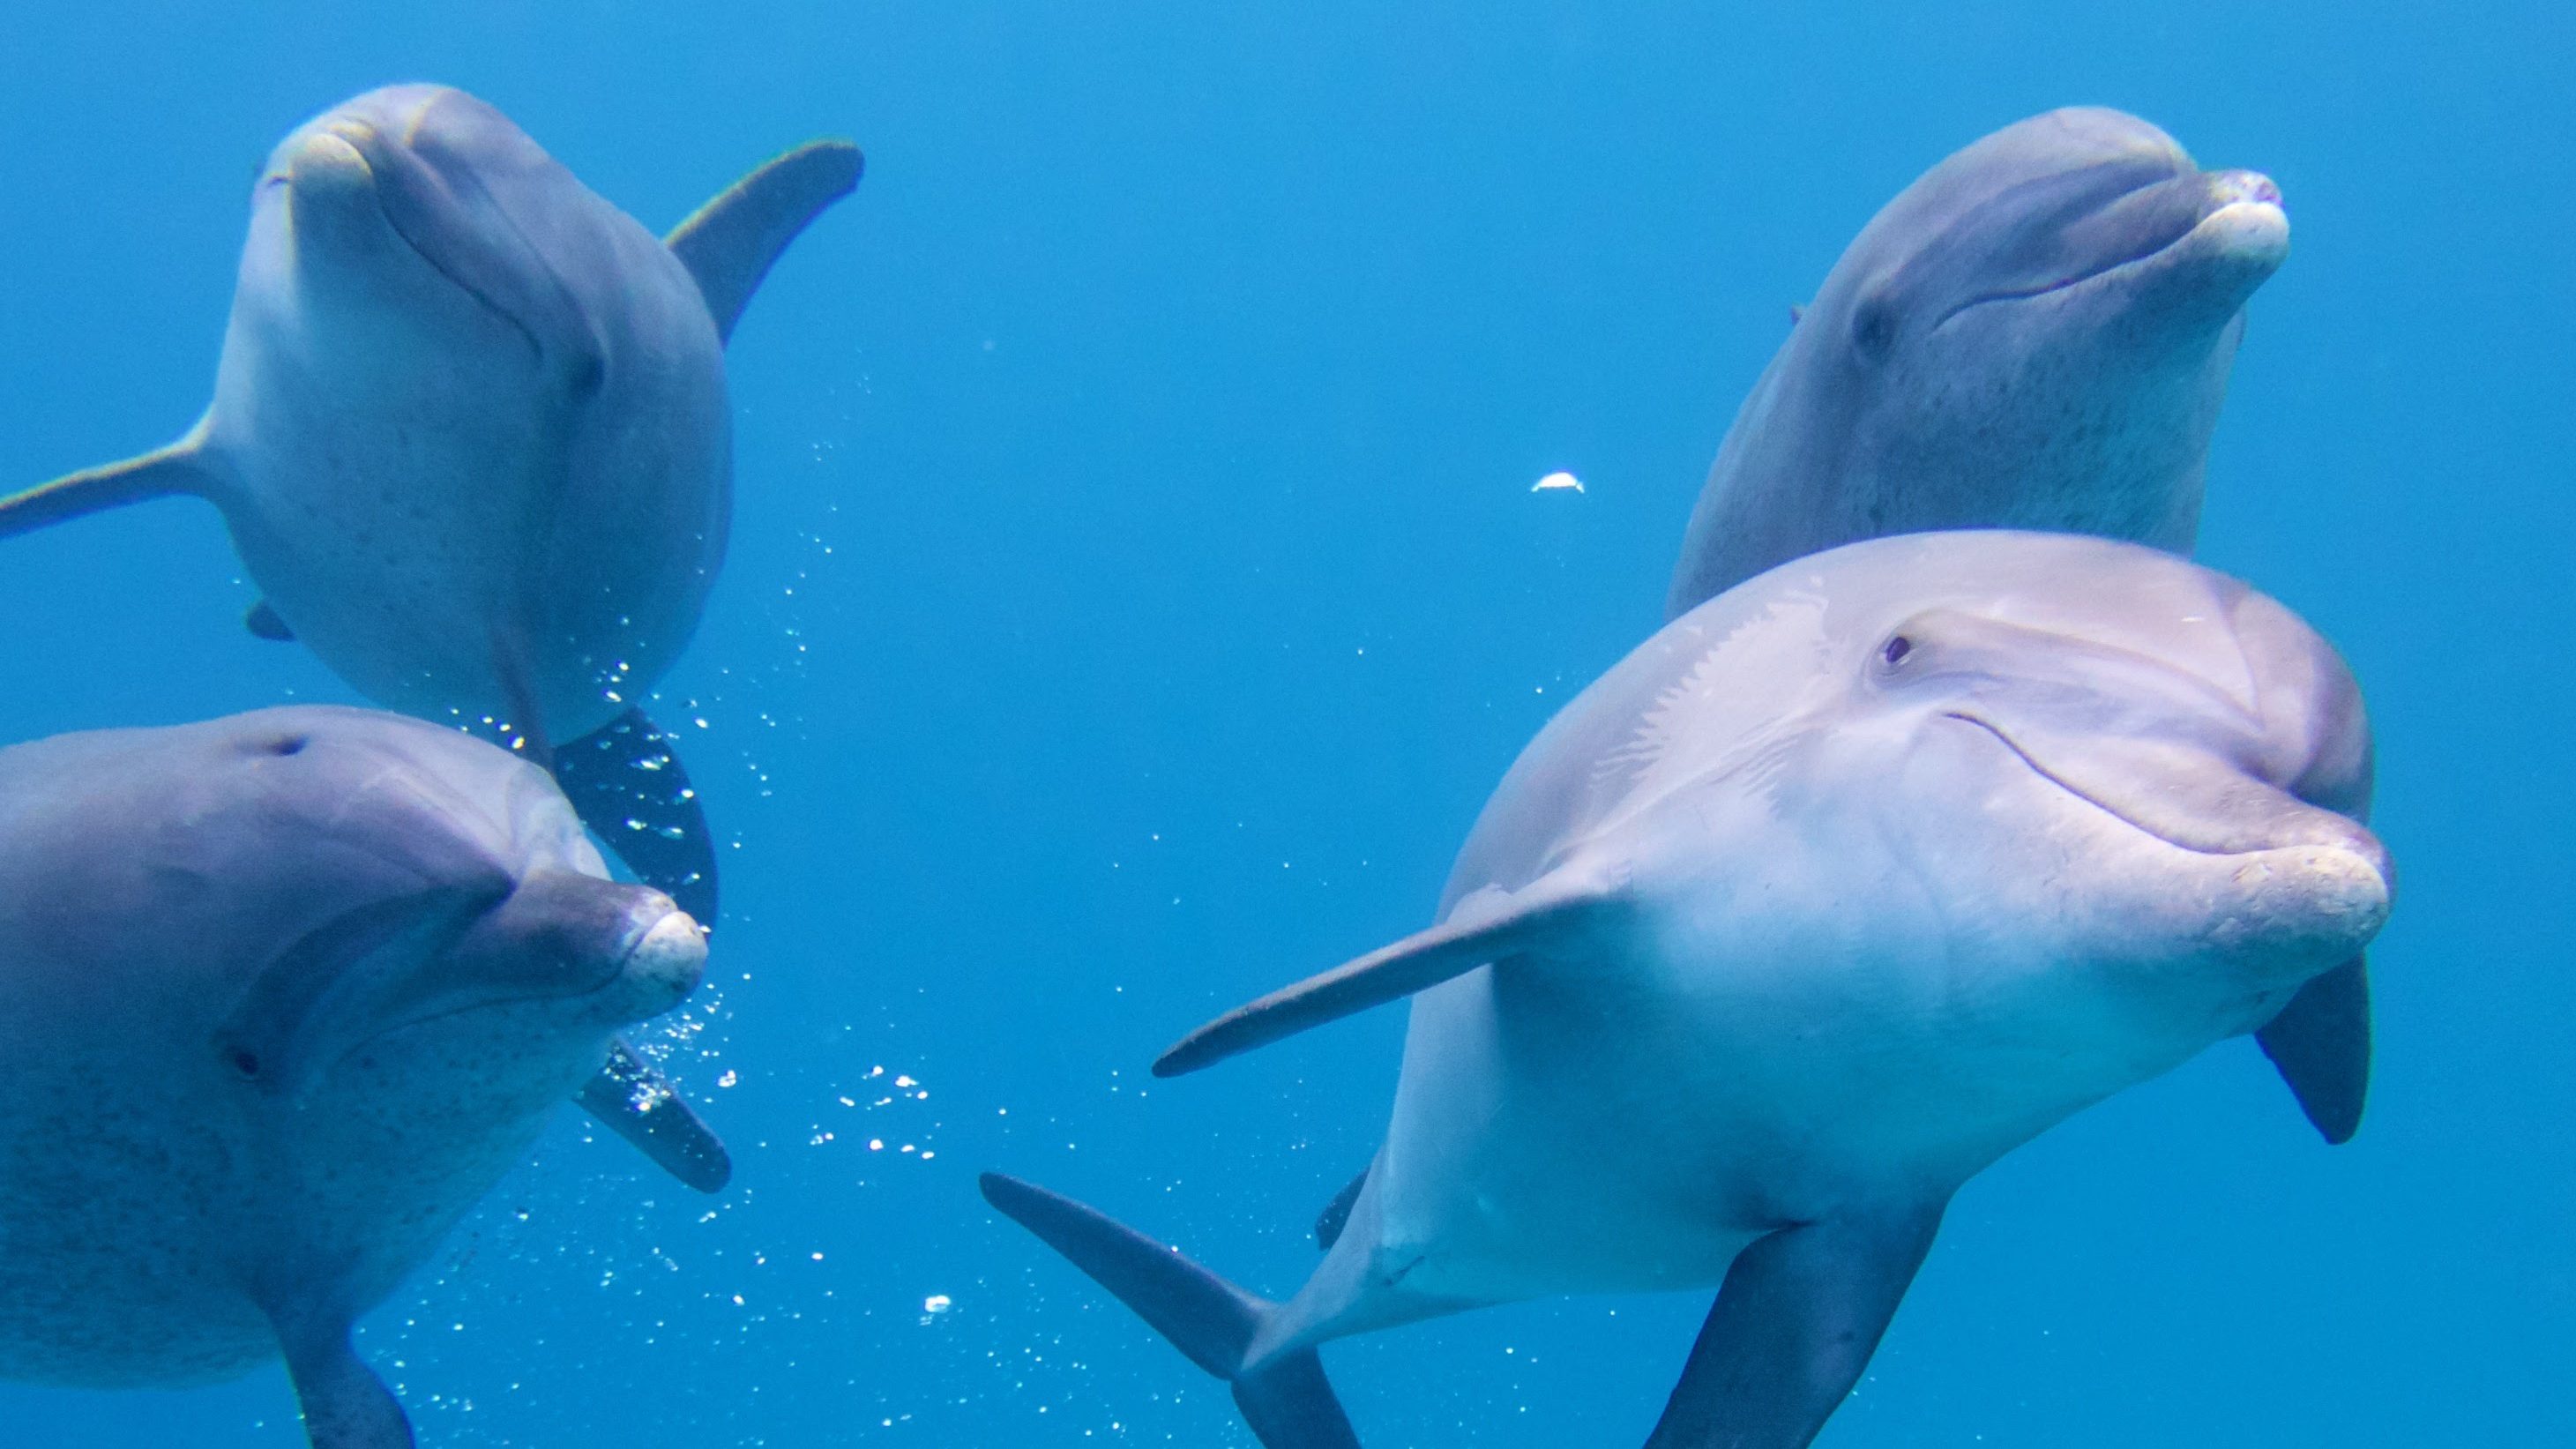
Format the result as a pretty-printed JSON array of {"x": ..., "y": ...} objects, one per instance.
[
  {"x": 2036, "y": 334},
  {"x": 280, "y": 996},
  {"x": 470, "y": 435},
  {"x": 1836, "y": 890}
]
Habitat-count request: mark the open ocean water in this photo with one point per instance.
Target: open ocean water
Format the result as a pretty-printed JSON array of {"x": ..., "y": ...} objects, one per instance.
[{"x": 1136, "y": 587}]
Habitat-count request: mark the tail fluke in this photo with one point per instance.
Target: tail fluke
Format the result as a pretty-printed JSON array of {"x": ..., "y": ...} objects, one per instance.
[{"x": 1286, "y": 1400}]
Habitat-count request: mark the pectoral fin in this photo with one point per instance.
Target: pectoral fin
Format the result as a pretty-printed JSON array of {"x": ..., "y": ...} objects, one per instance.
[
  {"x": 2321, "y": 1044},
  {"x": 626, "y": 783},
  {"x": 263, "y": 623},
  {"x": 729, "y": 244},
  {"x": 1794, "y": 1325},
  {"x": 632, "y": 1098},
  {"x": 345, "y": 1405},
  {"x": 1539, "y": 917},
  {"x": 1337, "y": 1213},
  {"x": 178, "y": 468}
]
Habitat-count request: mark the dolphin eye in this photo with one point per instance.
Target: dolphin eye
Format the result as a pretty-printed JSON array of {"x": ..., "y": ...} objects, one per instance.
[
  {"x": 246, "y": 1062},
  {"x": 1873, "y": 327},
  {"x": 1895, "y": 650}
]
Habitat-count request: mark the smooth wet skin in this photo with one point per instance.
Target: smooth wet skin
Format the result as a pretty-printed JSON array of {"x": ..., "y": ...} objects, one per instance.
[
  {"x": 1836, "y": 890},
  {"x": 281, "y": 995},
  {"x": 2035, "y": 334}
]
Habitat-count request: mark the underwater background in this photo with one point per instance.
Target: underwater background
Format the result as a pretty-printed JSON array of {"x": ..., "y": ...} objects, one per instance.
[{"x": 1136, "y": 587}]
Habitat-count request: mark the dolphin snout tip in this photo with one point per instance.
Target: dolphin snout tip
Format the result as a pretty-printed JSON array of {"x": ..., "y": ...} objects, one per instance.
[
  {"x": 2227, "y": 188},
  {"x": 668, "y": 960},
  {"x": 2246, "y": 221},
  {"x": 2326, "y": 898},
  {"x": 327, "y": 160}
]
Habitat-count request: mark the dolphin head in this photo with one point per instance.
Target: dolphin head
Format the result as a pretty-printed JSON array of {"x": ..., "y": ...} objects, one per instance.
[
  {"x": 421, "y": 209},
  {"x": 2062, "y": 298},
  {"x": 507, "y": 981},
  {"x": 2072, "y": 220},
  {"x": 2122, "y": 761},
  {"x": 424, "y": 921}
]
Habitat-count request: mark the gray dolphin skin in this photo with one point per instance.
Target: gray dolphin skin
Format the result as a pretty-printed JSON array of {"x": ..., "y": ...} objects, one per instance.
[
  {"x": 280, "y": 996},
  {"x": 471, "y": 437},
  {"x": 1839, "y": 888},
  {"x": 2035, "y": 334}
]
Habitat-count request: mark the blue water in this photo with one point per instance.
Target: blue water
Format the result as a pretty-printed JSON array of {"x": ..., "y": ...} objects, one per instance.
[{"x": 1136, "y": 587}]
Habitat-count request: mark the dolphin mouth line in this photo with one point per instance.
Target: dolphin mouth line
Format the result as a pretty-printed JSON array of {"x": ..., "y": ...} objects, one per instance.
[
  {"x": 2137, "y": 261},
  {"x": 361, "y": 142},
  {"x": 2096, "y": 801},
  {"x": 607, "y": 981}
]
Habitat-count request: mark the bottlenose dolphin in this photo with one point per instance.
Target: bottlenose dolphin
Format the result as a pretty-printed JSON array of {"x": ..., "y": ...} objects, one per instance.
[
  {"x": 1836, "y": 890},
  {"x": 280, "y": 996},
  {"x": 2035, "y": 334},
  {"x": 470, "y": 435}
]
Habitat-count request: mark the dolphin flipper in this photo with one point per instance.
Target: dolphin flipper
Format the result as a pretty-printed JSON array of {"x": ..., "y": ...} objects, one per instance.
[
  {"x": 1799, "y": 1315},
  {"x": 1543, "y": 914},
  {"x": 1337, "y": 1213},
  {"x": 632, "y": 1098},
  {"x": 2321, "y": 1044},
  {"x": 345, "y": 1405},
  {"x": 178, "y": 468},
  {"x": 729, "y": 244},
  {"x": 627, "y": 784},
  {"x": 1287, "y": 1401},
  {"x": 263, "y": 623}
]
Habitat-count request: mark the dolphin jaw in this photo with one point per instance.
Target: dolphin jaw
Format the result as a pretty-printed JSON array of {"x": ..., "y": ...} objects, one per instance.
[
  {"x": 2240, "y": 239},
  {"x": 2308, "y": 906},
  {"x": 2308, "y": 890},
  {"x": 655, "y": 965}
]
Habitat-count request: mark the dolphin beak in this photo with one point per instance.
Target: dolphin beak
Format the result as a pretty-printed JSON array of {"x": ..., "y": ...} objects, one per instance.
[
  {"x": 603, "y": 953},
  {"x": 2296, "y": 879},
  {"x": 2245, "y": 223},
  {"x": 662, "y": 968},
  {"x": 2208, "y": 272},
  {"x": 351, "y": 175},
  {"x": 331, "y": 192}
]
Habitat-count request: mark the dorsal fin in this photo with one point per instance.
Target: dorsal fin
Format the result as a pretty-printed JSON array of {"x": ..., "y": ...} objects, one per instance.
[
  {"x": 1542, "y": 916},
  {"x": 178, "y": 468},
  {"x": 729, "y": 244}
]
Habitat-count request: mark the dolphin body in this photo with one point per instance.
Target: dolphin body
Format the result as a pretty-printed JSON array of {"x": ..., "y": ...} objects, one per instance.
[
  {"x": 470, "y": 436},
  {"x": 2036, "y": 334},
  {"x": 280, "y": 996},
  {"x": 1836, "y": 890}
]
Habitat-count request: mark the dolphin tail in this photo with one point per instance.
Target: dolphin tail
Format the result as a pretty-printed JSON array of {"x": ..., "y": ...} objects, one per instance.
[
  {"x": 1286, "y": 1399},
  {"x": 626, "y": 783},
  {"x": 729, "y": 244},
  {"x": 2321, "y": 1044},
  {"x": 178, "y": 468}
]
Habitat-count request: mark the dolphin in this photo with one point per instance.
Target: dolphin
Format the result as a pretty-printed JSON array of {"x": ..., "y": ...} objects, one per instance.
[
  {"x": 470, "y": 436},
  {"x": 281, "y": 995},
  {"x": 2036, "y": 334},
  {"x": 1840, "y": 887}
]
